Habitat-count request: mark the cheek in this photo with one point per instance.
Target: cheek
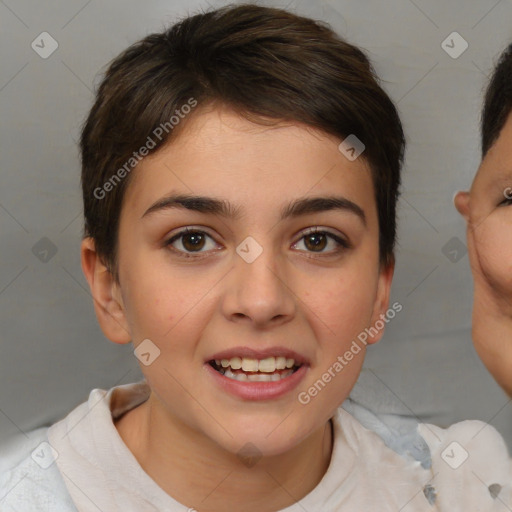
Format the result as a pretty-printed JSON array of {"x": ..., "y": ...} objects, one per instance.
[
  {"x": 338, "y": 312},
  {"x": 494, "y": 246},
  {"x": 159, "y": 299},
  {"x": 344, "y": 303}
]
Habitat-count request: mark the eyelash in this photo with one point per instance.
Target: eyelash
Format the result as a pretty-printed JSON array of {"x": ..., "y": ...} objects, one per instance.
[
  {"x": 507, "y": 193},
  {"x": 506, "y": 202},
  {"x": 342, "y": 244}
]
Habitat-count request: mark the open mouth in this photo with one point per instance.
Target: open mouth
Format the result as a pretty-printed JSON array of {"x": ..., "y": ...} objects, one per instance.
[{"x": 270, "y": 369}]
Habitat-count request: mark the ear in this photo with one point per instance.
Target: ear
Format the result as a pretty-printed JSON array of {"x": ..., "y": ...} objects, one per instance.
[
  {"x": 106, "y": 295},
  {"x": 381, "y": 305},
  {"x": 461, "y": 201}
]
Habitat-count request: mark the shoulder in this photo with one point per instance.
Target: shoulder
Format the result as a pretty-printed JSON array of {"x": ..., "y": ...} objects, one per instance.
[
  {"x": 471, "y": 466},
  {"x": 468, "y": 463},
  {"x": 29, "y": 478},
  {"x": 398, "y": 432},
  {"x": 381, "y": 472}
]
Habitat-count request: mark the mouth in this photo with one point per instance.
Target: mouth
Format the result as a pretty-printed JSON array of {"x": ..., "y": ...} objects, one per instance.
[{"x": 245, "y": 369}]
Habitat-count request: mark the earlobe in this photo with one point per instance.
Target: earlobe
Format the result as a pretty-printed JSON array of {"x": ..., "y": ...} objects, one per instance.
[
  {"x": 379, "y": 320},
  {"x": 461, "y": 201},
  {"x": 108, "y": 304}
]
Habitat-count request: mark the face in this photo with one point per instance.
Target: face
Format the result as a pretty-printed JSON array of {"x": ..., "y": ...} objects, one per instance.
[
  {"x": 491, "y": 213},
  {"x": 250, "y": 284}
]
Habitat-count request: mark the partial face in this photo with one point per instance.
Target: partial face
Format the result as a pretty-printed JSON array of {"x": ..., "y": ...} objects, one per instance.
[
  {"x": 491, "y": 212},
  {"x": 251, "y": 285}
]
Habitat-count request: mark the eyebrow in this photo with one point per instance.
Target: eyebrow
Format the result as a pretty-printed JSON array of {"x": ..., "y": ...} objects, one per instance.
[{"x": 223, "y": 208}]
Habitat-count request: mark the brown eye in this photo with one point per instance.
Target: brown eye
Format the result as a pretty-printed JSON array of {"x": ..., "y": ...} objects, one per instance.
[
  {"x": 193, "y": 241},
  {"x": 317, "y": 241},
  {"x": 189, "y": 241}
]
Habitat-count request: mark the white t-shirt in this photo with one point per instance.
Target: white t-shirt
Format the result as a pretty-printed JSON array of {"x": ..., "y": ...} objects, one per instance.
[{"x": 81, "y": 464}]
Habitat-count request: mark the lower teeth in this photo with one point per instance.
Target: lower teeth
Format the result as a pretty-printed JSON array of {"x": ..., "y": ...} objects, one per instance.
[{"x": 256, "y": 377}]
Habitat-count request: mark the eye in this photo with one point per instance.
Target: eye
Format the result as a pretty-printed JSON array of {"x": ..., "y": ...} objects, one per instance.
[
  {"x": 316, "y": 241},
  {"x": 189, "y": 241},
  {"x": 507, "y": 193}
]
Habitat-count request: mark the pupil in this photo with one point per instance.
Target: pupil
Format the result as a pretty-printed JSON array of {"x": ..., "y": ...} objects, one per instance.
[
  {"x": 196, "y": 239},
  {"x": 318, "y": 244}
]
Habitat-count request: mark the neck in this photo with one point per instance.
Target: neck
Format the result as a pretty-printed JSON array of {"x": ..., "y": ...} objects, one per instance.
[{"x": 170, "y": 452}]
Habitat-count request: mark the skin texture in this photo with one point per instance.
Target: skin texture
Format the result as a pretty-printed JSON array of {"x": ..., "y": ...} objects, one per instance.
[
  {"x": 289, "y": 296},
  {"x": 487, "y": 208}
]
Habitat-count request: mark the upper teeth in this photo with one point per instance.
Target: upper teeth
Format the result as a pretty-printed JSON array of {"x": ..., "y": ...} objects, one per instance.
[{"x": 267, "y": 365}]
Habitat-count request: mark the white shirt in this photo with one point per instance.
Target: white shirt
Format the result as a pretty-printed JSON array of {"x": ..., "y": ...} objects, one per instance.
[{"x": 466, "y": 466}]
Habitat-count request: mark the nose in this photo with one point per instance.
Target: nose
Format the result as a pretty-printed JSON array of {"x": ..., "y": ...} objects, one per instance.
[{"x": 259, "y": 292}]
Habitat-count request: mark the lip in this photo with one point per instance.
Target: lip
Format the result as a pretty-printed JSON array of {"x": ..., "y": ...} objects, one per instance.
[
  {"x": 257, "y": 390},
  {"x": 259, "y": 354}
]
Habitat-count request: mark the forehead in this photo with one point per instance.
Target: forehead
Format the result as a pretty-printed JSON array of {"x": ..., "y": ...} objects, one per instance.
[
  {"x": 495, "y": 171},
  {"x": 218, "y": 152},
  {"x": 497, "y": 164}
]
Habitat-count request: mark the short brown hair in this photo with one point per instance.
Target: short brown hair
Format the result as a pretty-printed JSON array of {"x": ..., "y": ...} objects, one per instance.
[
  {"x": 265, "y": 63},
  {"x": 498, "y": 101}
]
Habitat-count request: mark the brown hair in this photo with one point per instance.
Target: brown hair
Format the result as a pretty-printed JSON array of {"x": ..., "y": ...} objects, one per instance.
[
  {"x": 498, "y": 101},
  {"x": 265, "y": 63}
]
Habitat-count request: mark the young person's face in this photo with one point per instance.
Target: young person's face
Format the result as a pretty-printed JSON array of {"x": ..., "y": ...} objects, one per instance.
[
  {"x": 489, "y": 208},
  {"x": 196, "y": 298}
]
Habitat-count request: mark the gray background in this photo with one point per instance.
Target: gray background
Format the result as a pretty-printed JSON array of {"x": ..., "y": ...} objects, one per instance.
[{"x": 52, "y": 352}]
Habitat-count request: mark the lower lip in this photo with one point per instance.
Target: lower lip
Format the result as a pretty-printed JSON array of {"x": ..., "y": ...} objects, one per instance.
[{"x": 258, "y": 390}]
